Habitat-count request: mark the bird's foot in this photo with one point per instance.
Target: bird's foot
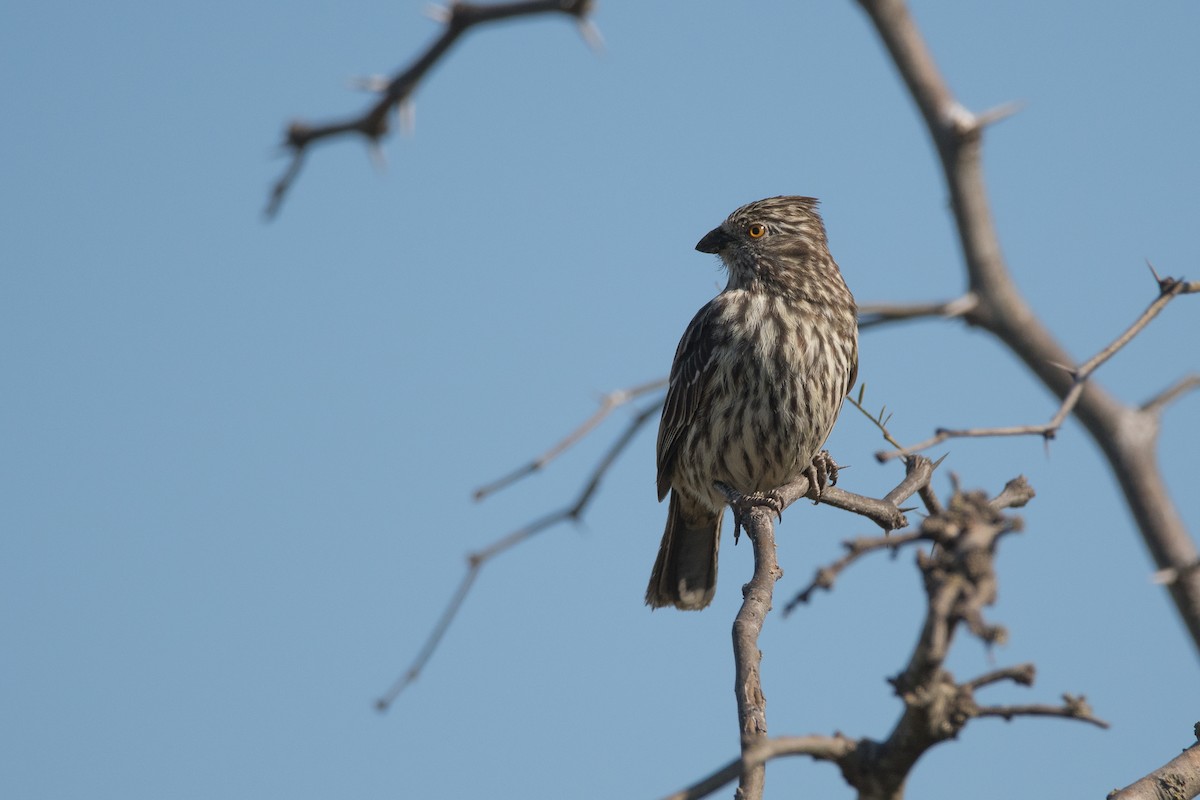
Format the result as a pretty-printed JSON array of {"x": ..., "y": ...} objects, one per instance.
[
  {"x": 822, "y": 472},
  {"x": 742, "y": 504}
]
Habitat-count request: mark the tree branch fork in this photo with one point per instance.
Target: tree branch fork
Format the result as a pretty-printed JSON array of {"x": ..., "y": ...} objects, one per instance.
[{"x": 960, "y": 582}]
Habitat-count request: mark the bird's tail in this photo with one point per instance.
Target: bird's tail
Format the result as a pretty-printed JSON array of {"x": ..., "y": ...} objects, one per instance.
[{"x": 685, "y": 572}]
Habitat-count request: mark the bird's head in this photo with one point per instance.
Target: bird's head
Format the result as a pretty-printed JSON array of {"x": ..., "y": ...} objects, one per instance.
[{"x": 776, "y": 244}]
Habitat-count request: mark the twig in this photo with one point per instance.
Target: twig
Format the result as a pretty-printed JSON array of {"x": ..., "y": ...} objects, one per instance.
[
  {"x": 1016, "y": 494},
  {"x": 1072, "y": 708},
  {"x": 1022, "y": 674},
  {"x": 928, "y": 496},
  {"x": 919, "y": 472},
  {"x": 855, "y": 549},
  {"x": 1169, "y": 289},
  {"x": 880, "y": 420},
  {"x": 476, "y": 560},
  {"x": 879, "y": 313},
  {"x": 957, "y": 137},
  {"x": 1156, "y": 404},
  {"x": 608, "y": 403},
  {"x": 372, "y": 123},
  {"x": 885, "y": 513},
  {"x": 819, "y": 748},
  {"x": 410, "y": 675}
]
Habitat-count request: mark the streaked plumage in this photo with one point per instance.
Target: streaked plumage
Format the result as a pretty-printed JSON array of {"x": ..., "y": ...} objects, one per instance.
[{"x": 757, "y": 383}]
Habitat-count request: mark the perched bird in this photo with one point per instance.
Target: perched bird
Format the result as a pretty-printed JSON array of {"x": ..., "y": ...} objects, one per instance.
[{"x": 757, "y": 383}]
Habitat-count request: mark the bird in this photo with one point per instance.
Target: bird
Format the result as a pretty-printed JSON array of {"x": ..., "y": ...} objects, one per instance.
[{"x": 755, "y": 388}]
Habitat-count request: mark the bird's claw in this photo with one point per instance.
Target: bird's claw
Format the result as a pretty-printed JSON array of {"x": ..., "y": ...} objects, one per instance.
[
  {"x": 822, "y": 472},
  {"x": 743, "y": 503}
]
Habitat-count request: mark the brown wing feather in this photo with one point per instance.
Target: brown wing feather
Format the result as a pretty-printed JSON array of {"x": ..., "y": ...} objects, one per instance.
[
  {"x": 689, "y": 381},
  {"x": 853, "y": 370}
]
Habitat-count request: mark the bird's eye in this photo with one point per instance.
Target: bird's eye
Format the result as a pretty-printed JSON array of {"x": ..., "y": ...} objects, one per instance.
[{"x": 756, "y": 230}]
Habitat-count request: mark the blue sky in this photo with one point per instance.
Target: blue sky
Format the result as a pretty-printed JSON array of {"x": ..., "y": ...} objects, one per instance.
[{"x": 236, "y": 458}]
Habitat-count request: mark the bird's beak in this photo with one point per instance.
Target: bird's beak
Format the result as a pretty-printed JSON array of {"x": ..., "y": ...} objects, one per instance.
[{"x": 714, "y": 241}]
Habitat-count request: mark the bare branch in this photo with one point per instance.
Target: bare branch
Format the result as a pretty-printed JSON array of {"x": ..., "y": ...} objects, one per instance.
[
  {"x": 820, "y": 748},
  {"x": 1125, "y": 435},
  {"x": 879, "y": 313},
  {"x": 1016, "y": 494},
  {"x": 826, "y": 576},
  {"x": 880, "y": 420},
  {"x": 476, "y": 560},
  {"x": 918, "y": 474},
  {"x": 884, "y": 512},
  {"x": 959, "y": 580},
  {"x": 435, "y": 636},
  {"x": 1156, "y": 404},
  {"x": 1022, "y": 674},
  {"x": 372, "y": 123},
  {"x": 608, "y": 403},
  {"x": 1178, "y": 778},
  {"x": 756, "y": 603},
  {"x": 1170, "y": 288},
  {"x": 1072, "y": 708}
]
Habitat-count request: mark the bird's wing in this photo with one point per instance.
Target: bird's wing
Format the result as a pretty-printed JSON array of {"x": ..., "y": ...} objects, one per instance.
[
  {"x": 690, "y": 377},
  {"x": 853, "y": 367}
]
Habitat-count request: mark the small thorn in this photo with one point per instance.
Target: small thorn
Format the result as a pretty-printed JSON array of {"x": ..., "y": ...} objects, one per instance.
[
  {"x": 1072, "y": 371},
  {"x": 998, "y": 113},
  {"x": 591, "y": 36},
  {"x": 437, "y": 13},
  {"x": 370, "y": 83},
  {"x": 1165, "y": 577},
  {"x": 406, "y": 116},
  {"x": 1154, "y": 272},
  {"x": 938, "y": 463},
  {"x": 377, "y": 156}
]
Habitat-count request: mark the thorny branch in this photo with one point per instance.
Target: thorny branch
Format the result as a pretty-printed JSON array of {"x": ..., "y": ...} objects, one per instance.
[
  {"x": 1126, "y": 435},
  {"x": 757, "y": 597},
  {"x": 877, "y": 314},
  {"x": 397, "y": 91},
  {"x": 884, "y": 513},
  {"x": 1169, "y": 289},
  {"x": 959, "y": 582},
  {"x": 476, "y": 561},
  {"x": 609, "y": 403}
]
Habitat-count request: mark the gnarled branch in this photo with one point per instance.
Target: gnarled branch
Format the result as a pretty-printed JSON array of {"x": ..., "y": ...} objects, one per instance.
[
  {"x": 372, "y": 123},
  {"x": 1126, "y": 435}
]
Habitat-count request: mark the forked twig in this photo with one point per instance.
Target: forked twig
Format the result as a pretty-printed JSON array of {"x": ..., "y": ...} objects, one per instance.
[
  {"x": 609, "y": 403},
  {"x": 879, "y": 313},
  {"x": 959, "y": 581},
  {"x": 396, "y": 92},
  {"x": 1169, "y": 289},
  {"x": 1072, "y": 708},
  {"x": 855, "y": 549},
  {"x": 476, "y": 560}
]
